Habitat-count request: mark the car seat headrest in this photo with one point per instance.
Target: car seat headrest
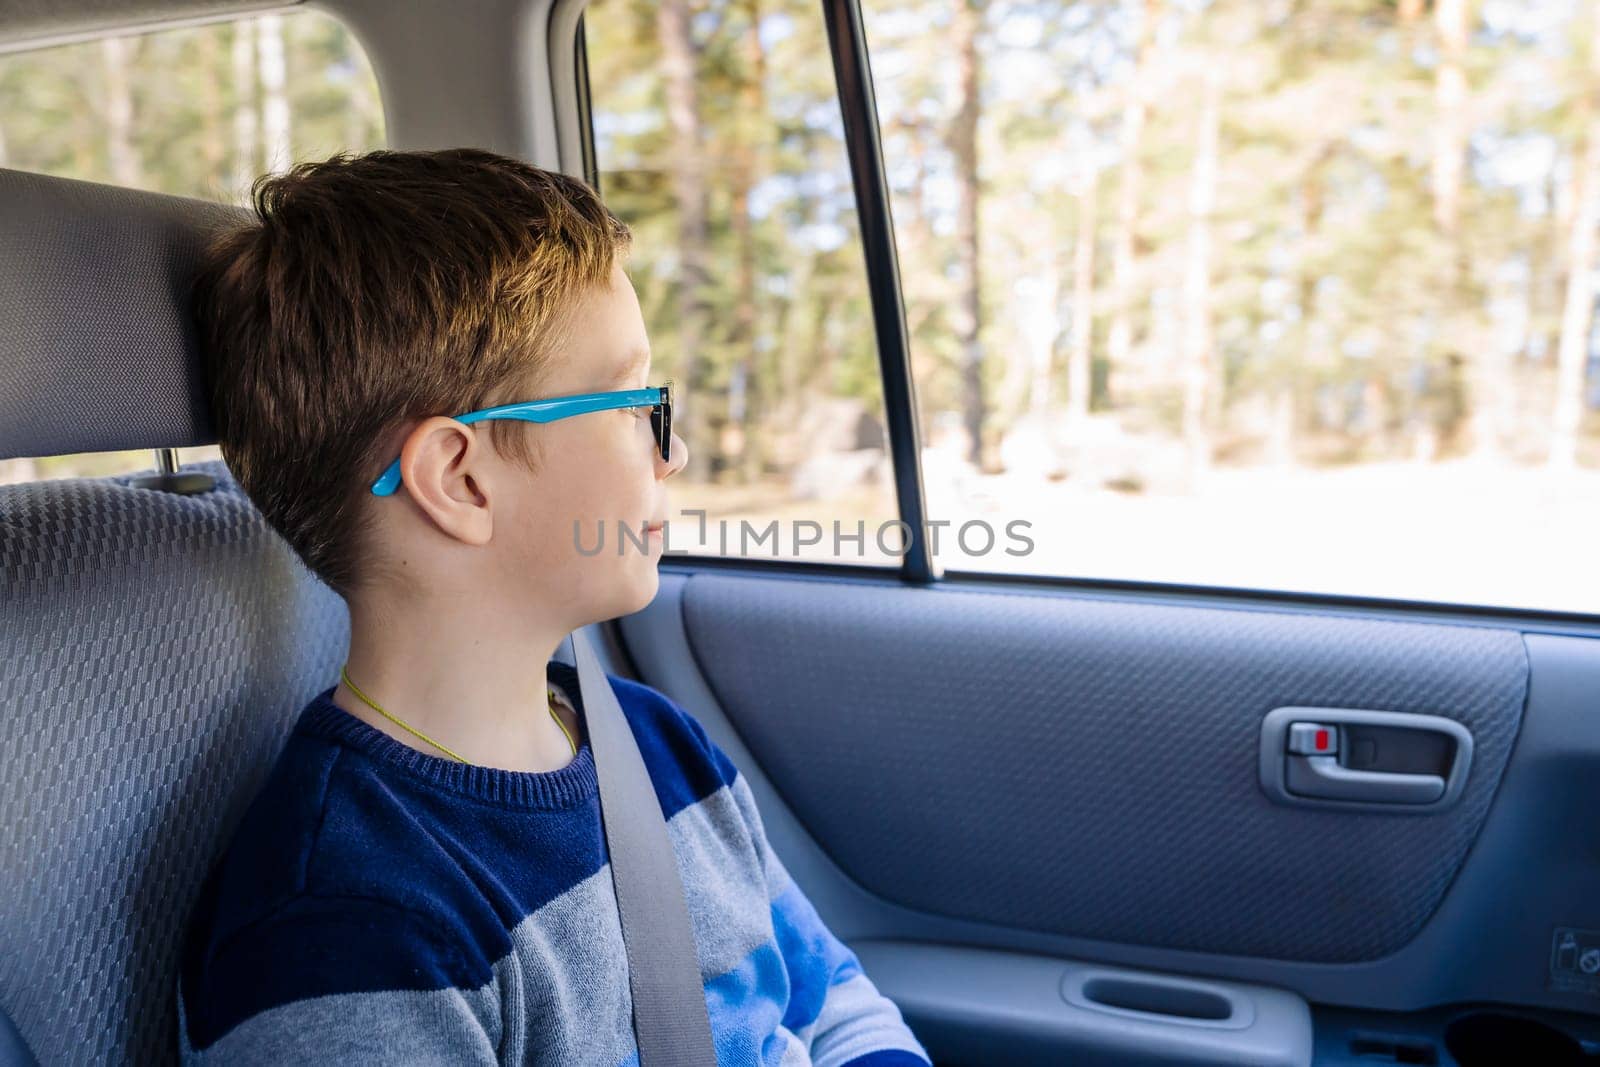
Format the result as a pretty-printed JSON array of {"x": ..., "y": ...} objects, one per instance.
[{"x": 97, "y": 346}]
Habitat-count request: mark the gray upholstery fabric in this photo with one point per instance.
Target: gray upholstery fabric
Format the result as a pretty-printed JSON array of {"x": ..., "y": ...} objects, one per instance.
[
  {"x": 153, "y": 652},
  {"x": 1088, "y": 767},
  {"x": 96, "y": 346}
]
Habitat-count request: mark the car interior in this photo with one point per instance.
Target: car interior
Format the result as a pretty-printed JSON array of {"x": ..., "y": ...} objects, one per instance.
[{"x": 1060, "y": 821}]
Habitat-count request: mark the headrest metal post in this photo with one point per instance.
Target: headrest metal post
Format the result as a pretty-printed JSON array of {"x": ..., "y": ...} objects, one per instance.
[{"x": 168, "y": 479}]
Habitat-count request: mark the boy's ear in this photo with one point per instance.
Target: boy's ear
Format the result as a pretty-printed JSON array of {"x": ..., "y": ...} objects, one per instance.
[{"x": 442, "y": 465}]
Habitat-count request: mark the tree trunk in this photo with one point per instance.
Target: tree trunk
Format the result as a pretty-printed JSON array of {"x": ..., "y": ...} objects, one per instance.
[
  {"x": 797, "y": 341},
  {"x": 1450, "y": 97},
  {"x": 116, "y": 53},
  {"x": 213, "y": 143},
  {"x": 1080, "y": 356},
  {"x": 1578, "y": 311},
  {"x": 1040, "y": 322},
  {"x": 1198, "y": 375},
  {"x": 963, "y": 141},
  {"x": 678, "y": 54},
  {"x": 1119, "y": 343},
  {"x": 274, "y": 100},
  {"x": 1488, "y": 409},
  {"x": 246, "y": 125},
  {"x": 1286, "y": 404},
  {"x": 1550, "y": 296},
  {"x": 745, "y": 400}
]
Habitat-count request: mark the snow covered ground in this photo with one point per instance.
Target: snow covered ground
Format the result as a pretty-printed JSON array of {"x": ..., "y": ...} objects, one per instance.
[{"x": 1459, "y": 532}]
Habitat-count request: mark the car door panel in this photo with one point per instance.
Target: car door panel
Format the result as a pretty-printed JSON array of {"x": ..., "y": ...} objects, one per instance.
[
  {"x": 1073, "y": 776},
  {"x": 1088, "y": 767}
]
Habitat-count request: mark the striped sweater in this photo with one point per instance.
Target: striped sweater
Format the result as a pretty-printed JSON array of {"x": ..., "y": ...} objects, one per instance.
[{"x": 381, "y": 905}]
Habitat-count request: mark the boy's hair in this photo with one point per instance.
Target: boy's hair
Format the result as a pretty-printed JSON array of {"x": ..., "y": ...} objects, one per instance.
[{"x": 374, "y": 290}]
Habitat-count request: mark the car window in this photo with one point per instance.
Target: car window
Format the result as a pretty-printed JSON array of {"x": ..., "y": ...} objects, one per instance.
[
  {"x": 1260, "y": 295},
  {"x": 196, "y": 111}
]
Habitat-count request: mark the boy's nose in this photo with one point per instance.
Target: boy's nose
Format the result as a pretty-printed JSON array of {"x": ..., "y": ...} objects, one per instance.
[{"x": 680, "y": 456}]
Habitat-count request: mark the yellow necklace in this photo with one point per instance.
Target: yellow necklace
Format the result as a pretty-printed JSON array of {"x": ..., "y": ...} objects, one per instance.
[{"x": 369, "y": 702}]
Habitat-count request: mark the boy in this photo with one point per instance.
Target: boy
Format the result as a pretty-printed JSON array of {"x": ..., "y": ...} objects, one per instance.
[{"x": 422, "y": 877}]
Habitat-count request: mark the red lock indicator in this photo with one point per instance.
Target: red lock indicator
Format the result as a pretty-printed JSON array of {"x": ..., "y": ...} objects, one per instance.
[{"x": 1313, "y": 739}]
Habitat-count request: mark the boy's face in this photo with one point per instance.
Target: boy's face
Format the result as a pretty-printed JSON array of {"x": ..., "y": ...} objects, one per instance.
[
  {"x": 531, "y": 549},
  {"x": 596, "y": 473}
]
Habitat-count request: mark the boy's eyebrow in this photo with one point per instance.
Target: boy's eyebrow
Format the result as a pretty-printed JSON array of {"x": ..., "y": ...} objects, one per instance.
[{"x": 639, "y": 358}]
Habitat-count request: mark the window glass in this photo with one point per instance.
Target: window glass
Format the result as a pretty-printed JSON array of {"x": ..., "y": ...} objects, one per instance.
[
  {"x": 198, "y": 111},
  {"x": 719, "y": 141},
  {"x": 1256, "y": 294}
]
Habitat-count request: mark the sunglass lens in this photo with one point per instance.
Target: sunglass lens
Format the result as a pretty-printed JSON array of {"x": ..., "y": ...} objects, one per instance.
[{"x": 661, "y": 422}]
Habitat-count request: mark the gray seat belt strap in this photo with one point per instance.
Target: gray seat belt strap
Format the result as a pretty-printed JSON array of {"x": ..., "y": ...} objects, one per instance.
[{"x": 670, "y": 1022}]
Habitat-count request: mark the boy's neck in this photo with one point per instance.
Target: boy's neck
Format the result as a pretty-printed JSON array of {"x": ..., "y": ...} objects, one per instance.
[{"x": 479, "y": 691}]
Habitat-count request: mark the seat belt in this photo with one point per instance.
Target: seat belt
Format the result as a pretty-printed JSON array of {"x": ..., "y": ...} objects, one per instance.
[{"x": 670, "y": 1022}]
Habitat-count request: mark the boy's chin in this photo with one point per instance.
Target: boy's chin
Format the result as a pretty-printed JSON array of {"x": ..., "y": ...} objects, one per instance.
[
  {"x": 646, "y": 582},
  {"x": 628, "y": 589}
]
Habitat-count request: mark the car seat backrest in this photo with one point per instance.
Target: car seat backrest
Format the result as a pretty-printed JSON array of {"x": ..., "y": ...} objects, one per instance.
[{"x": 154, "y": 647}]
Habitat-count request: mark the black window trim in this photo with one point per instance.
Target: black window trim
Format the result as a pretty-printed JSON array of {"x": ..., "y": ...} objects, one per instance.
[{"x": 847, "y": 41}]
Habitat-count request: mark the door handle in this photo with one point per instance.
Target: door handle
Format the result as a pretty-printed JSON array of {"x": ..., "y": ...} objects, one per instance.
[
  {"x": 1322, "y": 776},
  {"x": 1359, "y": 759}
]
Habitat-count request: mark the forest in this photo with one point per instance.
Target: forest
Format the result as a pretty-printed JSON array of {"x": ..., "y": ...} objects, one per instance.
[{"x": 1304, "y": 232}]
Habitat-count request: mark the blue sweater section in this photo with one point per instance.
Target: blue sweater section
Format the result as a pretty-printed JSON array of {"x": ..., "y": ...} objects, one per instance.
[{"x": 401, "y": 907}]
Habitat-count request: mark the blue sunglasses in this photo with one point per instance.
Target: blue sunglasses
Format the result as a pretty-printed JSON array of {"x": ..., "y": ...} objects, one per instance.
[{"x": 657, "y": 398}]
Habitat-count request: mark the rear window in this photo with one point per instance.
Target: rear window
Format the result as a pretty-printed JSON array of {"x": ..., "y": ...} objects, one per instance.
[{"x": 195, "y": 111}]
